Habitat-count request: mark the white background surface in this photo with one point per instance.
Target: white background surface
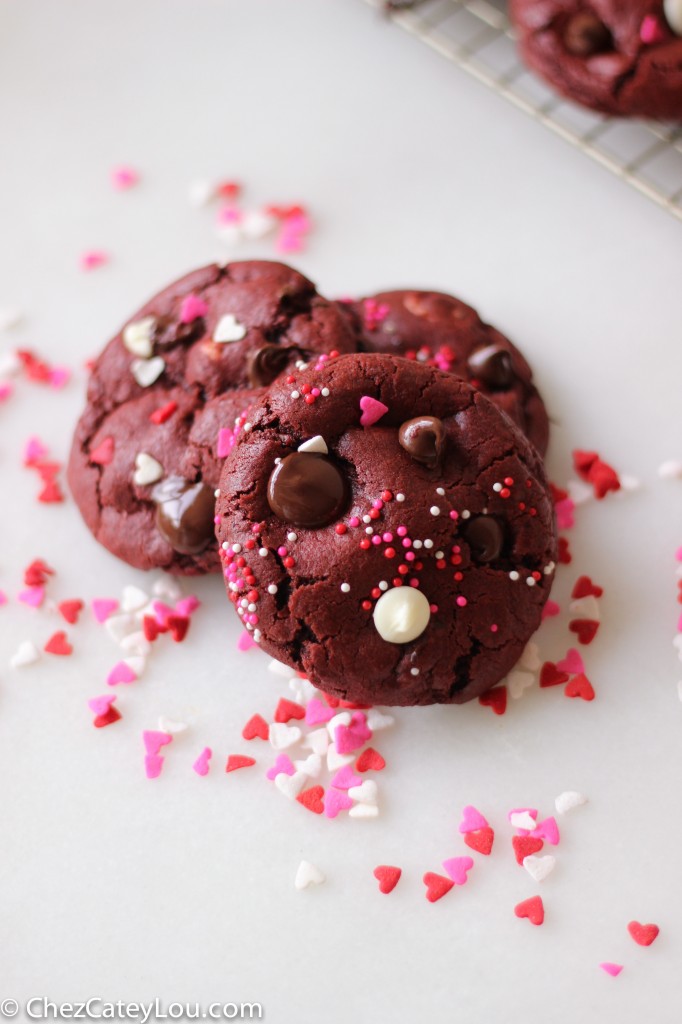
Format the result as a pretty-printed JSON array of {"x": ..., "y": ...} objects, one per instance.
[{"x": 182, "y": 889}]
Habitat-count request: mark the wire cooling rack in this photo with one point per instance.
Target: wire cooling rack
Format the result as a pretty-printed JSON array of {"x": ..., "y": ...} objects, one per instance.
[{"x": 477, "y": 36}]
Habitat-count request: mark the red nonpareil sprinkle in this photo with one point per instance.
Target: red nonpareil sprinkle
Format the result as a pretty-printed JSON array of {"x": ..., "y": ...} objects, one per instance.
[
  {"x": 288, "y": 709},
  {"x": 387, "y": 876},
  {"x": 481, "y": 840},
  {"x": 370, "y": 760},
  {"x": 532, "y": 909},
  {"x": 312, "y": 799},
  {"x": 437, "y": 886},
  {"x": 236, "y": 761},
  {"x": 256, "y": 727},
  {"x": 58, "y": 644},
  {"x": 70, "y": 610},
  {"x": 525, "y": 846},
  {"x": 584, "y": 629},
  {"x": 495, "y": 698},
  {"x": 580, "y": 686},
  {"x": 163, "y": 413}
]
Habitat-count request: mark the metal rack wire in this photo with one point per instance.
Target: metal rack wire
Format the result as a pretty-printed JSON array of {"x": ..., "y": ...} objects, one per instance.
[{"x": 477, "y": 36}]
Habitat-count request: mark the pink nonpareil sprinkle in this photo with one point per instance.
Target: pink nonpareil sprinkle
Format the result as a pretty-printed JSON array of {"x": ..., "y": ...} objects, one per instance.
[
  {"x": 92, "y": 259},
  {"x": 3, "y": 598},
  {"x": 124, "y": 177},
  {"x": 226, "y": 439},
  {"x": 202, "y": 763},
  {"x": 192, "y": 309}
]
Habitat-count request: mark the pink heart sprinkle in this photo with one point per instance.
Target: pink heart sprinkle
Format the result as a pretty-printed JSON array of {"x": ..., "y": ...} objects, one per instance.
[
  {"x": 32, "y": 596},
  {"x": 124, "y": 177},
  {"x": 372, "y": 410},
  {"x": 317, "y": 712},
  {"x": 612, "y": 969},
  {"x": 229, "y": 215},
  {"x": 103, "y": 607},
  {"x": 245, "y": 641},
  {"x": 282, "y": 766},
  {"x": 472, "y": 820},
  {"x": 678, "y": 555},
  {"x": 59, "y": 376},
  {"x": 548, "y": 830},
  {"x": 3, "y": 597},
  {"x": 564, "y": 514},
  {"x": 457, "y": 867},
  {"x": 651, "y": 30},
  {"x": 550, "y": 610},
  {"x": 162, "y": 612},
  {"x": 571, "y": 663},
  {"x": 186, "y": 605},
  {"x": 100, "y": 705},
  {"x": 226, "y": 439},
  {"x": 192, "y": 308},
  {"x": 335, "y": 800},
  {"x": 348, "y": 738},
  {"x": 201, "y": 765},
  {"x": 92, "y": 259},
  {"x": 121, "y": 673},
  {"x": 345, "y": 778},
  {"x": 154, "y": 739},
  {"x": 5, "y": 391},
  {"x": 152, "y": 766},
  {"x": 34, "y": 451}
]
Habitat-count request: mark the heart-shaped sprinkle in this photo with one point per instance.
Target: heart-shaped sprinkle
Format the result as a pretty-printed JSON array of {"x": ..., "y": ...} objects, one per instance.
[
  {"x": 315, "y": 444},
  {"x": 586, "y": 608},
  {"x": 372, "y": 411},
  {"x": 378, "y": 720},
  {"x": 34, "y": 451},
  {"x": 336, "y": 800},
  {"x": 225, "y": 443},
  {"x": 457, "y": 868},
  {"x": 202, "y": 763},
  {"x": 585, "y": 629},
  {"x": 178, "y": 626},
  {"x": 524, "y": 846},
  {"x": 135, "y": 643},
  {"x": 495, "y": 698},
  {"x": 290, "y": 785},
  {"x": 229, "y": 329},
  {"x": 345, "y": 778},
  {"x": 539, "y": 867},
  {"x": 481, "y": 840},
  {"x": 58, "y": 644},
  {"x": 103, "y": 454},
  {"x": 580, "y": 686},
  {"x": 147, "y": 469},
  {"x": 348, "y": 738},
  {"x": 312, "y": 799},
  {"x": 154, "y": 740},
  {"x": 342, "y": 718},
  {"x": 283, "y": 764},
  {"x": 308, "y": 874},
  {"x": 102, "y": 608},
  {"x": 387, "y": 876},
  {"x": 282, "y": 736},
  {"x": 100, "y": 705},
  {"x": 110, "y": 716},
  {"x": 235, "y": 761},
  {"x": 584, "y": 587},
  {"x": 312, "y": 766},
  {"x": 51, "y": 494},
  {"x": 288, "y": 709},
  {"x": 364, "y": 811},
  {"x": 191, "y": 308},
  {"x": 70, "y": 610},
  {"x": 550, "y": 609},
  {"x": 137, "y": 337},
  {"x": 518, "y": 682},
  {"x": 163, "y": 413},
  {"x": 472, "y": 820},
  {"x": 146, "y": 371},
  {"x": 32, "y": 596},
  {"x": 365, "y": 793},
  {"x": 548, "y": 830},
  {"x": 317, "y": 741},
  {"x": 612, "y": 969},
  {"x": 122, "y": 672},
  {"x": 643, "y": 934},
  {"x": 153, "y": 763},
  {"x": 532, "y": 909},
  {"x": 571, "y": 663},
  {"x": 370, "y": 760},
  {"x": 316, "y": 712},
  {"x": 651, "y": 30},
  {"x": 26, "y": 654},
  {"x": 523, "y": 820},
  {"x": 568, "y": 800},
  {"x": 551, "y": 675},
  {"x": 436, "y": 886},
  {"x": 171, "y": 726},
  {"x": 256, "y": 727}
]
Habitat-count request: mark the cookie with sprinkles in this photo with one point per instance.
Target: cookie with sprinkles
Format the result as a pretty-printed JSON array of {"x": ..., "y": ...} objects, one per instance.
[
  {"x": 386, "y": 530},
  {"x": 442, "y": 331},
  {"x": 169, "y": 394}
]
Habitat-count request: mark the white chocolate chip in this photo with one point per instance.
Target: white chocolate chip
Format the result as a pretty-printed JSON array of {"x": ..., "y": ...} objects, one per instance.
[
  {"x": 229, "y": 329},
  {"x": 401, "y": 615},
  {"x": 673, "y": 15},
  {"x": 315, "y": 444},
  {"x": 137, "y": 336},
  {"x": 146, "y": 371},
  {"x": 147, "y": 469}
]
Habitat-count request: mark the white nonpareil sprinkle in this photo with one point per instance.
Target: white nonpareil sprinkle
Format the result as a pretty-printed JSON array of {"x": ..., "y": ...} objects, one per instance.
[
  {"x": 292, "y": 537},
  {"x": 434, "y": 510},
  {"x": 440, "y": 491},
  {"x": 530, "y": 581},
  {"x": 428, "y": 543},
  {"x": 465, "y": 514},
  {"x": 295, "y": 394},
  {"x": 670, "y": 470},
  {"x": 325, "y": 392},
  {"x": 345, "y": 587},
  {"x": 513, "y": 575},
  {"x": 400, "y": 497},
  {"x": 263, "y": 552},
  {"x": 272, "y": 589}
]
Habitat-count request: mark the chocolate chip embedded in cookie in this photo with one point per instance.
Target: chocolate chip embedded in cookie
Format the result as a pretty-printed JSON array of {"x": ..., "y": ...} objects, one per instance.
[{"x": 393, "y": 538}]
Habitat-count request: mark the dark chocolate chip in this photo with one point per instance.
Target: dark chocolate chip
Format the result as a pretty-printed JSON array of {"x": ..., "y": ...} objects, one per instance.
[
  {"x": 184, "y": 514},
  {"x": 267, "y": 363},
  {"x": 492, "y": 366},
  {"x": 586, "y": 35},
  {"x": 307, "y": 489},
  {"x": 485, "y": 537},
  {"x": 423, "y": 438}
]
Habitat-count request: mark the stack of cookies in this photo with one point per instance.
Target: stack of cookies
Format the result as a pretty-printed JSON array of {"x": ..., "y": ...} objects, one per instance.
[{"x": 367, "y": 475}]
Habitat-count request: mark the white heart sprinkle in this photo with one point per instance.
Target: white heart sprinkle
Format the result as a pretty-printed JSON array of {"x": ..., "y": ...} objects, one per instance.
[
  {"x": 146, "y": 371},
  {"x": 587, "y": 607},
  {"x": 518, "y": 681},
  {"x": 670, "y": 470},
  {"x": 312, "y": 766},
  {"x": 201, "y": 192},
  {"x": 539, "y": 867},
  {"x": 318, "y": 741},
  {"x": 579, "y": 492},
  {"x": 136, "y": 643},
  {"x": 136, "y": 663},
  {"x": 302, "y": 689},
  {"x": 530, "y": 659},
  {"x": 342, "y": 718},
  {"x": 120, "y": 626},
  {"x": 378, "y": 720},
  {"x": 229, "y": 329},
  {"x": 257, "y": 223},
  {"x": 133, "y": 598},
  {"x": 568, "y": 800},
  {"x": 279, "y": 668},
  {"x": 167, "y": 588},
  {"x": 9, "y": 318},
  {"x": 315, "y": 444},
  {"x": 307, "y": 874},
  {"x": 363, "y": 811},
  {"x": 229, "y": 233},
  {"x": 26, "y": 654},
  {"x": 290, "y": 785},
  {"x": 137, "y": 337},
  {"x": 10, "y": 364},
  {"x": 147, "y": 471},
  {"x": 365, "y": 793},
  {"x": 336, "y": 760},
  {"x": 629, "y": 483},
  {"x": 522, "y": 819},
  {"x": 282, "y": 735},
  {"x": 171, "y": 726}
]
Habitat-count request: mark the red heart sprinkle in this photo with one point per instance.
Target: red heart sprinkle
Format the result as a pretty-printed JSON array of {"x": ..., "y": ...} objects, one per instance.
[
  {"x": 584, "y": 587},
  {"x": 312, "y": 799},
  {"x": 387, "y": 877},
  {"x": 583, "y": 462},
  {"x": 370, "y": 760},
  {"x": 163, "y": 413},
  {"x": 58, "y": 644},
  {"x": 70, "y": 610},
  {"x": 436, "y": 886},
  {"x": 236, "y": 761},
  {"x": 112, "y": 715},
  {"x": 151, "y": 628},
  {"x": 288, "y": 709},
  {"x": 50, "y": 494},
  {"x": 531, "y": 909},
  {"x": 584, "y": 629},
  {"x": 643, "y": 934},
  {"x": 47, "y": 471},
  {"x": 178, "y": 626},
  {"x": 524, "y": 846},
  {"x": 333, "y": 702},
  {"x": 603, "y": 479},
  {"x": 495, "y": 698},
  {"x": 256, "y": 726},
  {"x": 550, "y": 675},
  {"x": 37, "y": 572},
  {"x": 558, "y": 493},
  {"x": 580, "y": 686},
  {"x": 103, "y": 453},
  {"x": 564, "y": 556},
  {"x": 352, "y": 704},
  {"x": 481, "y": 840}
]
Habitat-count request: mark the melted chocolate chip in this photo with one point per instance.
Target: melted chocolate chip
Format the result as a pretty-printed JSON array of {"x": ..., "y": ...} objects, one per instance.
[
  {"x": 485, "y": 537},
  {"x": 492, "y": 366},
  {"x": 423, "y": 438},
  {"x": 268, "y": 362},
  {"x": 585, "y": 35},
  {"x": 307, "y": 489},
  {"x": 184, "y": 514}
]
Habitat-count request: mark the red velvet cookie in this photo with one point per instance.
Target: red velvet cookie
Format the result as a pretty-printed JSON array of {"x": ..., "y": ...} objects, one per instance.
[{"x": 386, "y": 530}]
